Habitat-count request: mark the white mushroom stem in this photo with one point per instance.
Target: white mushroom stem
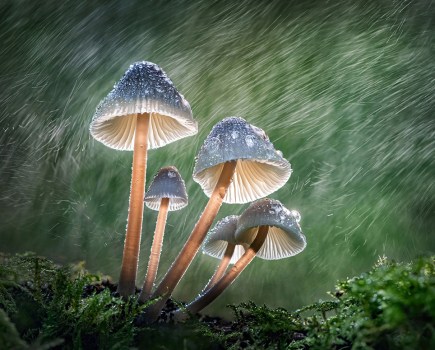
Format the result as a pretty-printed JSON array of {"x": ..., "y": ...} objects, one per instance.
[
  {"x": 185, "y": 257},
  {"x": 205, "y": 299},
  {"x": 222, "y": 266},
  {"x": 130, "y": 256},
  {"x": 156, "y": 249}
]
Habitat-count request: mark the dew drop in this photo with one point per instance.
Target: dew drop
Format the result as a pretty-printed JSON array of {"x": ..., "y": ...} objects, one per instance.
[
  {"x": 235, "y": 134},
  {"x": 259, "y": 132},
  {"x": 213, "y": 144},
  {"x": 277, "y": 208},
  {"x": 249, "y": 139},
  {"x": 296, "y": 215},
  {"x": 171, "y": 174}
]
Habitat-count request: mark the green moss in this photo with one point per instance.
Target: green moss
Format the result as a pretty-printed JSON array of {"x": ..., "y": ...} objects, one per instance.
[
  {"x": 44, "y": 305},
  {"x": 390, "y": 307}
]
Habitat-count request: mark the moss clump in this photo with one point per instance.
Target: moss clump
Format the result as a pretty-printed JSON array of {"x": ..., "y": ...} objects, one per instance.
[
  {"x": 390, "y": 307},
  {"x": 43, "y": 305}
]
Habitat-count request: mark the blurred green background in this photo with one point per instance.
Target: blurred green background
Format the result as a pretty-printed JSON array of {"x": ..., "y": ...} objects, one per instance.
[{"x": 345, "y": 90}]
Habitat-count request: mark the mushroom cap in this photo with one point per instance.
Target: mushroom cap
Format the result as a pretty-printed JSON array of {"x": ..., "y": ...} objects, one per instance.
[
  {"x": 219, "y": 236},
  {"x": 167, "y": 183},
  {"x": 284, "y": 237},
  {"x": 144, "y": 88},
  {"x": 260, "y": 169}
]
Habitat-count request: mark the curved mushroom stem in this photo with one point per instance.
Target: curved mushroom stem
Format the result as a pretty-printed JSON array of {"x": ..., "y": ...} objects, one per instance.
[
  {"x": 185, "y": 257},
  {"x": 222, "y": 266},
  {"x": 156, "y": 248},
  {"x": 130, "y": 256},
  {"x": 204, "y": 299}
]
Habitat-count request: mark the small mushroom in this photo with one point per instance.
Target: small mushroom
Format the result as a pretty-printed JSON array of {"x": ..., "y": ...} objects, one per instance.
[
  {"x": 220, "y": 243},
  {"x": 268, "y": 230},
  {"x": 236, "y": 164},
  {"x": 143, "y": 110},
  {"x": 166, "y": 192}
]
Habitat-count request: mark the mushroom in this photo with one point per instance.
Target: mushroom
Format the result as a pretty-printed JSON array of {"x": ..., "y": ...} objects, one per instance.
[
  {"x": 166, "y": 192},
  {"x": 220, "y": 243},
  {"x": 143, "y": 110},
  {"x": 268, "y": 230},
  {"x": 236, "y": 164},
  {"x": 260, "y": 169}
]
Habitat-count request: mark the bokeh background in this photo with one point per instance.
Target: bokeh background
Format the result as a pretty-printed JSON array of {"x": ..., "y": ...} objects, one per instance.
[{"x": 345, "y": 89}]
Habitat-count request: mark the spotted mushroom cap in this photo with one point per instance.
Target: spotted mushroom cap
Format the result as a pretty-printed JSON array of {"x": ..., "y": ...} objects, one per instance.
[
  {"x": 260, "y": 169},
  {"x": 144, "y": 88},
  {"x": 167, "y": 183},
  {"x": 219, "y": 236},
  {"x": 284, "y": 237}
]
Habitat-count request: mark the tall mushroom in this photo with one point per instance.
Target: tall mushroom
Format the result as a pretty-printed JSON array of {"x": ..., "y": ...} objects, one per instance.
[
  {"x": 166, "y": 192},
  {"x": 236, "y": 164},
  {"x": 267, "y": 229},
  {"x": 143, "y": 110},
  {"x": 221, "y": 243}
]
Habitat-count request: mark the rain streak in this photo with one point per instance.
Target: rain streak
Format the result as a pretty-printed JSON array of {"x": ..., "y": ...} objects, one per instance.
[{"x": 345, "y": 90}]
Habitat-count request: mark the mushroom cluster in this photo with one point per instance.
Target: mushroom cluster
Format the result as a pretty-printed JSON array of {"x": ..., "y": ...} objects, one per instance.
[
  {"x": 236, "y": 164},
  {"x": 266, "y": 229}
]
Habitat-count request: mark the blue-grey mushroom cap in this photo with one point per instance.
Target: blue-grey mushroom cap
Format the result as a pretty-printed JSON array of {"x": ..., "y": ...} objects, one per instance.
[
  {"x": 219, "y": 236},
  {"x": 167, "y": 183},
  {"x": 284, "y": 238},
  {"x": 260, "y": 169},
  {"x": 144, "y": 88}
]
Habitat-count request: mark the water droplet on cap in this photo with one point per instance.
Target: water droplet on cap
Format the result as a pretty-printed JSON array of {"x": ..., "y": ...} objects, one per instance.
[
  {"x": 296, "y": 215},
  {"x": 259, "y": 132},
  {"x": 249, "y": 139},
  {"x": 277, "y": 208},
  {"x": 213, "y": 143}
]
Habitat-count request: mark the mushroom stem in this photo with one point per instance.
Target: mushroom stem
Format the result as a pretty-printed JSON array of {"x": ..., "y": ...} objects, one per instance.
[
  {"x": 222, "y": 267},
  {"x": 156, "y": 248},
  {"x": 130, "y": 256},
  {"x": 185, "y": 257},
  {"x": 204, "y": 299}
]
